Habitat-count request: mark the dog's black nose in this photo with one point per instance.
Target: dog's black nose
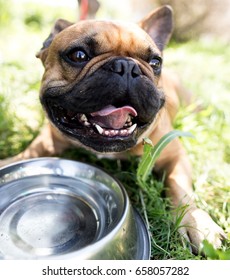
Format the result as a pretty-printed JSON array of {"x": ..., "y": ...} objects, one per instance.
[{"x": 126, "y": 68}]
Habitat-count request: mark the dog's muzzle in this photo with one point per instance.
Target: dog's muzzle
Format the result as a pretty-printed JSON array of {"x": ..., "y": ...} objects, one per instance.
[{"x": 108, "y": 110}]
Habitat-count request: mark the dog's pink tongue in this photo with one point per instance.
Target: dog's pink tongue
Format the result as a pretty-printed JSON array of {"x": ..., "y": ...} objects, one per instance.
[{"x": 112, "y": 117}]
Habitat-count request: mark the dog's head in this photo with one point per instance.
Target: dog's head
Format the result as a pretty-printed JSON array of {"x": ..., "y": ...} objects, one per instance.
[{"x": 100, "y": 85}]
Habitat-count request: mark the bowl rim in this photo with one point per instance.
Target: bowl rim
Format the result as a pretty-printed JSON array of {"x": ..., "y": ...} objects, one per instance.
[{"x": 91, "y": 249}]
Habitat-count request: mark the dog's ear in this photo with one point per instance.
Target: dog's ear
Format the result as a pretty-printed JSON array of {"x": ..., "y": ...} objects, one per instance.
[
  {"x": 59, "y": 25},
  {"x": 159, "y": 25}
]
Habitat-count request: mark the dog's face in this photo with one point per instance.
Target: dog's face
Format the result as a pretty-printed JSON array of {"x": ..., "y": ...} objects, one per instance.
[{"x": 100, "y": 82}]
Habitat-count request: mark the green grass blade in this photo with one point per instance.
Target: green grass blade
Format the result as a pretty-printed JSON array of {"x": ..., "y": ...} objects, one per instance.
[
  {"x": 152, "y": 153},
  {"x": 143, "y": 165}
]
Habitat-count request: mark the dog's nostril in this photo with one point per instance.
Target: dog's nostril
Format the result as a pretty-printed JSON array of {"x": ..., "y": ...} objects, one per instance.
[
  {"x": 118, "y": 67},
  {"x": 135, "y": 71},
  {"x": 125, "y": 67}
]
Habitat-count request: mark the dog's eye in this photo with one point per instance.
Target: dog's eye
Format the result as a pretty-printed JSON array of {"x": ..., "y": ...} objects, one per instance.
[
  {"x": 156, "y": 63},
  {"x": 78, "y": 56}
]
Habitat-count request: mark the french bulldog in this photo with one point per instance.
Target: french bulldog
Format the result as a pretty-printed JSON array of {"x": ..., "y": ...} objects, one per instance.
[{"x": 104, "y": 89}]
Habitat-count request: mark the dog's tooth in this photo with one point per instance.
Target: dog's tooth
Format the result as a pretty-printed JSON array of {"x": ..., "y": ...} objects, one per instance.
[
  {"x": 86, "y": 123},
  {"x": 83, "y": 118},
  {"x": 128, "y": 124},
  {"x": 132, "y": 128},
  {"x": 124, "y": 132},
  {"x": 129, "y": 119},
  {"x": 114, "y": 132},
  {"x": 99, "y": 129}
]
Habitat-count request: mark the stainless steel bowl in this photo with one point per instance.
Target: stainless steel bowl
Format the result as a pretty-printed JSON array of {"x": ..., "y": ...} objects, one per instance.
[{"x": 53, "y": 208}]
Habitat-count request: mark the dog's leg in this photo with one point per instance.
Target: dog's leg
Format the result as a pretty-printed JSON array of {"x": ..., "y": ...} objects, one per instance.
[
  {"x": 48, "y": 143},
  {"x": 196, "y": 224}
]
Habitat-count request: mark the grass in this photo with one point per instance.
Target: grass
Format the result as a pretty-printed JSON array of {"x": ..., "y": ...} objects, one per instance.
[{"x": 204, "y": 68}]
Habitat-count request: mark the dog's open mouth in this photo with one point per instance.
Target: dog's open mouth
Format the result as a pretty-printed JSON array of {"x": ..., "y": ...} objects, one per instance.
[
  {"x": 109, "y": 122},
  {"x": 112, "y": 121}
]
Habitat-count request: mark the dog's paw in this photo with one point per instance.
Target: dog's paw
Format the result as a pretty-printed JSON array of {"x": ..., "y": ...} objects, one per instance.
[{"x": 197, "y": 225}]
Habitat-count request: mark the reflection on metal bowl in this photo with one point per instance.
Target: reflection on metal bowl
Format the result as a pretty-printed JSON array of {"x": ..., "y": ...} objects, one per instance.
[{"x": 53, "y": 208}]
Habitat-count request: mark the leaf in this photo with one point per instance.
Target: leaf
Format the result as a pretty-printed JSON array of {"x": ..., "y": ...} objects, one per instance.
[
  {"x": 209, "y": 250},
  {"x": 215, "y": 254},
  {"x": 224, "y": 255},
  {"x": 152, "y": 153}
]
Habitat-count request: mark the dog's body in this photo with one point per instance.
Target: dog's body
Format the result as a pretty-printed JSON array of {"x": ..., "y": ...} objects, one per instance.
[{"x": 102, "y": 89}]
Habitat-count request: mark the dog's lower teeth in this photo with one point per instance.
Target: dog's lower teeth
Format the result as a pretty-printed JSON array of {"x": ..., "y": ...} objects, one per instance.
[
  {"x": 115, "y": 132},
  {"x": 132, "y": 128},
  {"x": 124, "y": 132},
  {"x": 99, "y": 129}
]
